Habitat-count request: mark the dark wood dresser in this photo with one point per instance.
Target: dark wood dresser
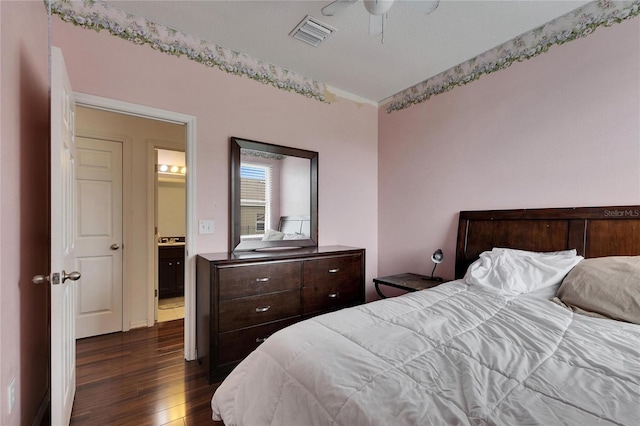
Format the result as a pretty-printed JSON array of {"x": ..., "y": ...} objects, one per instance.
[{"x": 244, "y": 298}]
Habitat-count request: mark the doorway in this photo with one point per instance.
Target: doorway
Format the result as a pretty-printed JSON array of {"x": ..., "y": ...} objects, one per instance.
[
  {"x": 139, "y": 239},
  {"x": 170, "y": 201}
]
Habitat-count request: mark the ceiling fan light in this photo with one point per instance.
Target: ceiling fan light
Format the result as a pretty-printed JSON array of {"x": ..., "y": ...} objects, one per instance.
[{"x": 378, "y": 7}]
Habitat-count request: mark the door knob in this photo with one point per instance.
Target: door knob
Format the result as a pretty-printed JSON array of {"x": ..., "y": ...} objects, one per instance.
[
  {"x": 73, "y": 276},
  {"x": 40, "y": 279},
  {"x": 115, "y": 246}
]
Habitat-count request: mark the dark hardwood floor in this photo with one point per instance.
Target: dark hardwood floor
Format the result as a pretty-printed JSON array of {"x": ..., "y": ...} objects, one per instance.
[{"x": 140, "y": 378}]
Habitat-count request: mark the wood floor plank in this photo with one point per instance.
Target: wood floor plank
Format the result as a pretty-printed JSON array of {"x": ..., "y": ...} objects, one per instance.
[{"x": 140, "y": 378}]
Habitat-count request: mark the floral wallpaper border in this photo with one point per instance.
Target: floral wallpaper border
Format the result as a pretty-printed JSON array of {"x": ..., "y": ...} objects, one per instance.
[
  {"x": 579, "y": 23},
  {"x": 97, "y": 15},
  {"x": 261, "y": 154}
]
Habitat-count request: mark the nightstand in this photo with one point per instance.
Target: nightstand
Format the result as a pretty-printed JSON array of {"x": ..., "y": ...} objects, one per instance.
[{"x": 408, "y": 282}]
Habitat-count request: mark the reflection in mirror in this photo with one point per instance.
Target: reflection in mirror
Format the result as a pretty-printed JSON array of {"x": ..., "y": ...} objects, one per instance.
[
  {"x": 272, "y": 186},
  {"x": 273, "y": 196}
]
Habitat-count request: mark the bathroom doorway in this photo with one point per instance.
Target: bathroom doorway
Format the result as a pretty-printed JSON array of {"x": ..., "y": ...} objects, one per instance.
[{"x": 170, "y": 190}]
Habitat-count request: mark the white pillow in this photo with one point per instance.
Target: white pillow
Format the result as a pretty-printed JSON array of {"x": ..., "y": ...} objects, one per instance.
[
  {"x": 295, "y": 236},
  {"x": 515, "y": 272},
  {"x": 272, "y": 235}
]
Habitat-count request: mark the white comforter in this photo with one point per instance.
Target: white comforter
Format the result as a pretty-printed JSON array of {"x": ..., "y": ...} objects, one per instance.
[{"x": 451, "y": 355}]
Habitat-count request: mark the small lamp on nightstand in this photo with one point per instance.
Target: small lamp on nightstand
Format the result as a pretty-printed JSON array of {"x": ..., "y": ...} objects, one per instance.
[{"x": 437, "y": 257}]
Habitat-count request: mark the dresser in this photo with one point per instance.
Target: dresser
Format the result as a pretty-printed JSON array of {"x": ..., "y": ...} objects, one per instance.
[{"x": 241, "y": 299}]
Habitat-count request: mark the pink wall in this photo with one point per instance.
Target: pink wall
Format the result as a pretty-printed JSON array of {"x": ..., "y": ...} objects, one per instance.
[
  {"x": 24, "y": 136},
  {"x": 562, "y": 129},
  {"x": 344, "y": 133}
]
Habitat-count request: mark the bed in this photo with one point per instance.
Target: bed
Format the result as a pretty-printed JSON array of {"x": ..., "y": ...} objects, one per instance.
[{"x": 497, "y": 345}]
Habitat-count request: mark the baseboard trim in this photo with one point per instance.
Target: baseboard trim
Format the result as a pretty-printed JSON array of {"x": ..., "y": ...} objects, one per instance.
[{"x": 138, "y": 324}]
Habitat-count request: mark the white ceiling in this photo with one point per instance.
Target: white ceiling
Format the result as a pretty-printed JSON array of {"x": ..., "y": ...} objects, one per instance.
[{"x": 415, "y": 47}]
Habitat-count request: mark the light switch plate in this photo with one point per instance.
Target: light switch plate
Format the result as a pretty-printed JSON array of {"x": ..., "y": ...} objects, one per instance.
[{"x": 205, "y": 227}]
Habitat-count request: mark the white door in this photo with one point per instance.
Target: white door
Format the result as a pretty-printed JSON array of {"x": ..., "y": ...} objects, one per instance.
[
  {"x": 98, "y": 237},
  {"x": 63, "y": 342}
]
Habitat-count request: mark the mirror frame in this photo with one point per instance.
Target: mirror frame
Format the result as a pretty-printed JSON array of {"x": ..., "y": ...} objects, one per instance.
[{"x": 235, "y": 243}]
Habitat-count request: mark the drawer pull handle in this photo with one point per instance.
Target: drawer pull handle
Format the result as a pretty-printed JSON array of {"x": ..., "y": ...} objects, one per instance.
[
  {"x": 263, "y": 309},
  {"x": 261, "y": 339},
  {"x": 262, "y": 280},
  {"x": 334, "y": 295},
  {"x": 333, "y": 271}
]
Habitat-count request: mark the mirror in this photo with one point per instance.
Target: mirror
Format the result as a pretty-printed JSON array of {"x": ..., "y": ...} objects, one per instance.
[{"x": 274, "y": 197}]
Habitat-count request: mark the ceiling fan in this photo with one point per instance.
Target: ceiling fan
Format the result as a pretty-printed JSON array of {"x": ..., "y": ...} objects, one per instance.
[{"x": 378, "y": 10}]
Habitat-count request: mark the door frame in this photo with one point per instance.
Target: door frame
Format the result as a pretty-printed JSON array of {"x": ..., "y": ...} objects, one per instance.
[{"x": 189, "y": 121}]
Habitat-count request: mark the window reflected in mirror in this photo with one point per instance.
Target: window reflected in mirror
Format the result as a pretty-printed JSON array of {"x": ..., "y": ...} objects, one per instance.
[
  {"x": 274, "y": 189},
  {"x": 255, "y": 197}
]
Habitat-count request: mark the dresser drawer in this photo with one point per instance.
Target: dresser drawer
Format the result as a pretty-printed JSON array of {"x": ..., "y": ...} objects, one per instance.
[
  {"x": 235, "y": 345},
  {"x": 328, "y": 297},
  {"x": 248, "y": 311},
  {"x": 253, "y": 280},
  {"x": 333, "y": 272}
]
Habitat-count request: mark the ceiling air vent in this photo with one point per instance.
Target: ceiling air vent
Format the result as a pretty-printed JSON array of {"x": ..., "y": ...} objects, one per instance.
[{"x": 311, "y": 31}]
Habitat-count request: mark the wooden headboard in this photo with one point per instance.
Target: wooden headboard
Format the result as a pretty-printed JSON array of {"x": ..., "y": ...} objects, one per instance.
[{"x": 592, "y": 231}]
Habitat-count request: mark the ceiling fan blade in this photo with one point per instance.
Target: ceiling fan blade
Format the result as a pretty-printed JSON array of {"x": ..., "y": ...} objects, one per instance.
[
  {"x": 376, "y": 24},
  {"x": 335, "y": 7},
  {"x": 422, "y": 6}
]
